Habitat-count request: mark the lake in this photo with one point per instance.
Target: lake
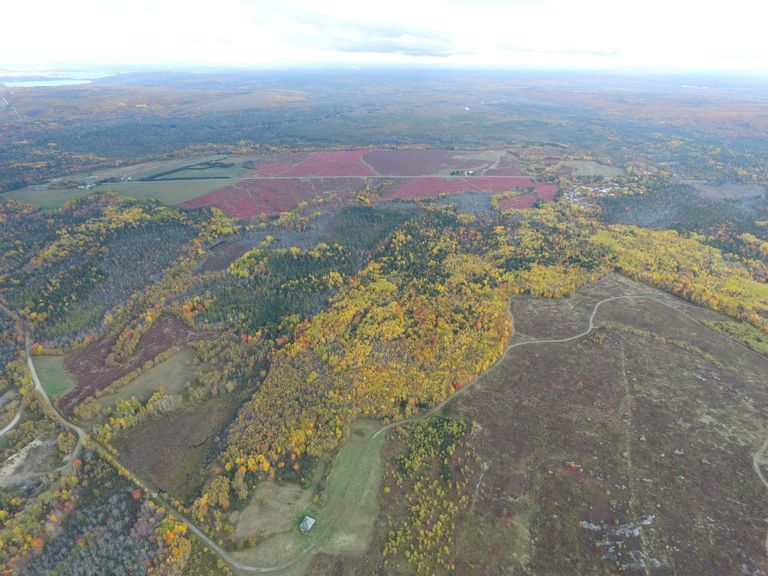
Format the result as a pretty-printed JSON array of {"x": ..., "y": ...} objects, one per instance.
[{"x": 36, "y": 83}]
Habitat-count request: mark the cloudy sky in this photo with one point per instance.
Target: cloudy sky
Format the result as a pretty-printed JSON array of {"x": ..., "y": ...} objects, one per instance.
[{"x": 583, "y": 34}]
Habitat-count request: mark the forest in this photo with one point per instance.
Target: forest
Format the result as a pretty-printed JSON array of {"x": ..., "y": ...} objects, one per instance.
[{"x": 310, "y": 339}]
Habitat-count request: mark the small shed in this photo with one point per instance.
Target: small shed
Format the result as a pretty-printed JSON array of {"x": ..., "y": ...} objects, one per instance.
[{"x": 306, "y": 524}]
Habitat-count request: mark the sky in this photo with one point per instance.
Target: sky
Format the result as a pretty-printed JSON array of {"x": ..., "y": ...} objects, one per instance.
[{"x": 649, "y": 35}]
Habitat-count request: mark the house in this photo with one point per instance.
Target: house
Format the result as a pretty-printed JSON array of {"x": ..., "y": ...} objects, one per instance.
[{"x": 306, "y": 524}]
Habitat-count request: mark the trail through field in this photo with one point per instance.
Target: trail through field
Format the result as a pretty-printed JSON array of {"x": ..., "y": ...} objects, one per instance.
[
  {"x": 761, "y": 458},
  {"x": 628, "y": 413}
]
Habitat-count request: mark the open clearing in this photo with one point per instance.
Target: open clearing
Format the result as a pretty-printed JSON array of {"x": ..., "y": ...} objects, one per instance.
[
  {"x": 728, "y": 191},
  {"x": 54, "y": 378},
  {"x": 345, "y": 516},
  {"x": 35, "y": 459},
  {"x": 631, "y": 447},
  {"x": 170, "y": 375},
  {"x": 170, "y": 452},
  {"x": 168, "y": 192},
  {"x": 44, "y": 197},
  {"x": 591, "y": 168},
  {"x": 88, "y": 365}
]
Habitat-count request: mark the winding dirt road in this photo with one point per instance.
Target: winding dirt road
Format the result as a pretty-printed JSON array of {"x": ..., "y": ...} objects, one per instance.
[
  {"x": 81, "y": 434},
  {"x": 8, "y": 427}
]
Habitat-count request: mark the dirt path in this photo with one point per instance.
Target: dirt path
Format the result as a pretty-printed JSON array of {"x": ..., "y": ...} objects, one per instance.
[
  {"x": 629, "y": 413},
  {"x": 373, "y": 170},
  {"x": 491, "y": 167},
  {"x": 760, "y": 458},
  {"x": 51, "y": 409},
  {"x": 81, "y": 435}
]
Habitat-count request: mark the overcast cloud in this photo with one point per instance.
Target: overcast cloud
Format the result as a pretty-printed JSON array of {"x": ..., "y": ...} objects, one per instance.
[{"x": 589, "y": 34}]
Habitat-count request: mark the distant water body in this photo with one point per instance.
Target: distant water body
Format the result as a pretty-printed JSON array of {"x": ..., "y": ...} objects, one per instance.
[{"x": 37, "y": 83}]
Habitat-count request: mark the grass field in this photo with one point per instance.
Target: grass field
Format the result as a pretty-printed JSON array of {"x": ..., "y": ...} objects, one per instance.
[
  {"x": 171, "y": 375},
  {"x": 170, "y": 193},
  {"x": 55, "y": 380},
  {"x": 206, "y": 167},
  {"x": 146, "y": 169},
  {"x": 345, "y": 517},
  {"x": 43, "y": 197}
]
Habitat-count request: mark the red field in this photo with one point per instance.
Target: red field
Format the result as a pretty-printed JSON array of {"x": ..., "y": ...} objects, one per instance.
[
  {"x": 272, "y": 170},
  {"x": 546, "y": 191},
  {"x": 410, "y": 162},
  {"x": 276, "y": 164},
  {"x": 251, "y": 197},
  {"x": 88, "y": 365},
  {"x": 264, "y": 196},
  {"x": 280, "y": 182},
  {"x": 332, "y": 164},
  {"x": 432, "y": 187},
  {"x": 518, "y": 202},
  {"x": 503, "y": 171}
]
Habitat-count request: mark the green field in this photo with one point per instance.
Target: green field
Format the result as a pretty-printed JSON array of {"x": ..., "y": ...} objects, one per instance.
[
  {"x": 54, "y": 379},
  {"x": 345, "y": 517},
  {"x": 211, "y": 167},
  {"x": 152, "y": 169},
  {"x": 43, "y": 197},
  {"x": 170, "y": 193},
  {"x": 170, "y": 375}
]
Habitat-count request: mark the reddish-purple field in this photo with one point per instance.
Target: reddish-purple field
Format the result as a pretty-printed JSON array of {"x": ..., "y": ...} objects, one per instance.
[
  {"x": 332, "y": 164},
  {"x": 281, "y": 182},
  {"x": 272, "y": 170},
  {"x": 518, "y": 202},
  {"x": 432, "y": 187},
  {"x": 420, "y": 162},
  {"x": 88, "y": 365},
  {"x": 265, "y": 196}
]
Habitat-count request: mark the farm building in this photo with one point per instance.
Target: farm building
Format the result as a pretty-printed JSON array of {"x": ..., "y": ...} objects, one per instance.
[{"x": 306, "y": 524}]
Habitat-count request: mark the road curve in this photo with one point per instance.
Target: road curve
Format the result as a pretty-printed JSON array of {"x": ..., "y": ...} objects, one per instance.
[
  {"x": 8, "y": 427},
  {"x": 81, "y": 435}
]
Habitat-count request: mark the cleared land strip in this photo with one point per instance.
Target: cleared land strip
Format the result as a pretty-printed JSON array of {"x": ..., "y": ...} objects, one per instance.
[{"x": 759, "y": 456}]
